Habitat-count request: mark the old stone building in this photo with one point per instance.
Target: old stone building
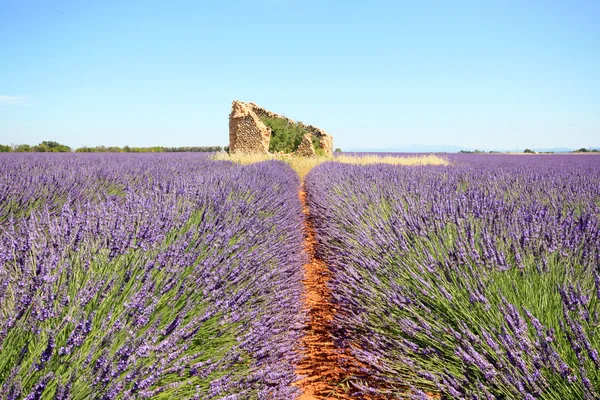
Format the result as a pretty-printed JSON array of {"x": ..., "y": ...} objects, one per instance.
[{"x": 248, "y": 134}]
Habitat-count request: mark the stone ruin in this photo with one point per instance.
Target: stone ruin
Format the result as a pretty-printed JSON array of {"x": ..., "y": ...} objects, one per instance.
[{"x": 248, "y": 134}]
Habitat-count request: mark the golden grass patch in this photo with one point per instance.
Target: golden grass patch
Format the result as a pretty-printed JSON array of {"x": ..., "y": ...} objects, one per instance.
[{"x": 303, "y": 165}]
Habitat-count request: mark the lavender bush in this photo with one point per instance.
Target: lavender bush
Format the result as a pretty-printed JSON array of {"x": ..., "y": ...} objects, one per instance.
[
  {"x": 477, "y": 281},
  {"x": 148, "y": 276}
]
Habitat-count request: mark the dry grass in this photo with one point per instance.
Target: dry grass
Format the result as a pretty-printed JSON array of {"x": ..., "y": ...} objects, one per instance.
[
  {"x": 303, "y": 165},
  {"x": 430, "y": 159}
]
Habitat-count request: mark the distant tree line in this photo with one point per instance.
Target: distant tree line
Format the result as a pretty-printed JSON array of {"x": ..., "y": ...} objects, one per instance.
[
  {"x": 529, "y": 151},
  {"x": 44, "y": 147},
  {"x": 153, "y": 149},
  {"x": 526, "y": 151},
  {"x": 193, "y": 149},
  {"x": 473, "y": 152},
  {"x": 582, "y": 150},
  {"x": 55, "y": 147}
]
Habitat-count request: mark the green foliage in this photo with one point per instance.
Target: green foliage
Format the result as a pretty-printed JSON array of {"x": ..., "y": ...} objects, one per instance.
[
  {"x": 41, "y": 148},
  {"x": 55, "y": 147},
  {"x": 100, "y": 149},
  {"x": 153, "y": 149},
  {"x": 285, "y": 136},
  {"x": 316, "y": 143},
  {"x": 44, "y": 147},
  {"x": 194, "y": 149},
  {"x": 51, "y": 146},
  {"x": 4, "y": 148},
  {"x": 529, "y": 151},
  {"x": 338, "y": 150}
]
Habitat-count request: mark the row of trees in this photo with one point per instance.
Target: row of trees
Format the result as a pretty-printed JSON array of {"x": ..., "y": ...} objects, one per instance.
[
  {"x": 44, "y": 147},
  {"x": 153, "y": 149},
  {"x": 529, "y": 151},
  {"x": 473, "y": 151},
  {"x": 581, "y": 150},
  {"x": 55, "y": 147}
]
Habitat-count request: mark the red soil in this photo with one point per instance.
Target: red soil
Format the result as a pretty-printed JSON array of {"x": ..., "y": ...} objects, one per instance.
[{"x": 321, "y": 362}]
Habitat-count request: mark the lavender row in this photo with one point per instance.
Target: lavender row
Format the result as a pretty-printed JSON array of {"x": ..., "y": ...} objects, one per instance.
[
  {"x": 477, "y": 281},
  {"x": 148, "y": 276}
]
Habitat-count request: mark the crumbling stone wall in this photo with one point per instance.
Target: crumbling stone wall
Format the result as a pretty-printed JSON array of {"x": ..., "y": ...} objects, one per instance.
[
  {"x": 306, "y": 148},
  {"x": 248, "y": 134}
]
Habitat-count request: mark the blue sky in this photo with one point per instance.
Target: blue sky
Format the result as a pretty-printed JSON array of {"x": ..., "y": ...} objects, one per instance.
[{"x": 374, "y": 74}]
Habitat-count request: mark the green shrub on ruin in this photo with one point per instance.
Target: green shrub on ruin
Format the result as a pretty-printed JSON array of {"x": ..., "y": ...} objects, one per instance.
[{"x": 285, "y": 136}]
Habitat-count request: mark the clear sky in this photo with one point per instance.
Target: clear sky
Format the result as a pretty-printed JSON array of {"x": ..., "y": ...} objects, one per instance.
[{"x": 374, "y": 74}]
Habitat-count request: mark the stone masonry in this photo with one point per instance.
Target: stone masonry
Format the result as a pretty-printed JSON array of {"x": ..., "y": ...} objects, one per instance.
[
  {"x": 306, "y": 148},
  {"x": 248, "y": 134}
]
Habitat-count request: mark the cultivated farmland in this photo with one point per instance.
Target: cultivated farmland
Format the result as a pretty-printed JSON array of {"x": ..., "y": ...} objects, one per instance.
[
  {"x": 148, "y": 276},
  {"x": 478, "y": 280},
  {"x": 126, "y": 276}
]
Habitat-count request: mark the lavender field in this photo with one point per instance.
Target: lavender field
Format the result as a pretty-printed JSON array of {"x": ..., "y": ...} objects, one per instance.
[
  {"x": 126, "y": 276},
  {"x": 148, "y": 276},
  {"x": 475, "y": 281}
]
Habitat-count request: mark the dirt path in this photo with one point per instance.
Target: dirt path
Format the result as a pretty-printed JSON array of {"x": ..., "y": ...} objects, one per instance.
[
  {"x": 324, "y": 378},
  {"x": 321, "y": 363}
]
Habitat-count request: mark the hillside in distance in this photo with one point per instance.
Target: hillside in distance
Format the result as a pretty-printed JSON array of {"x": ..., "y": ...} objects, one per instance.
[{"x": 420, "y": 148}]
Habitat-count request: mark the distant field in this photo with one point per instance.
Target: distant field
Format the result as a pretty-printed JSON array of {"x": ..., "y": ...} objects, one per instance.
[{"x": 303, "y": 165}]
